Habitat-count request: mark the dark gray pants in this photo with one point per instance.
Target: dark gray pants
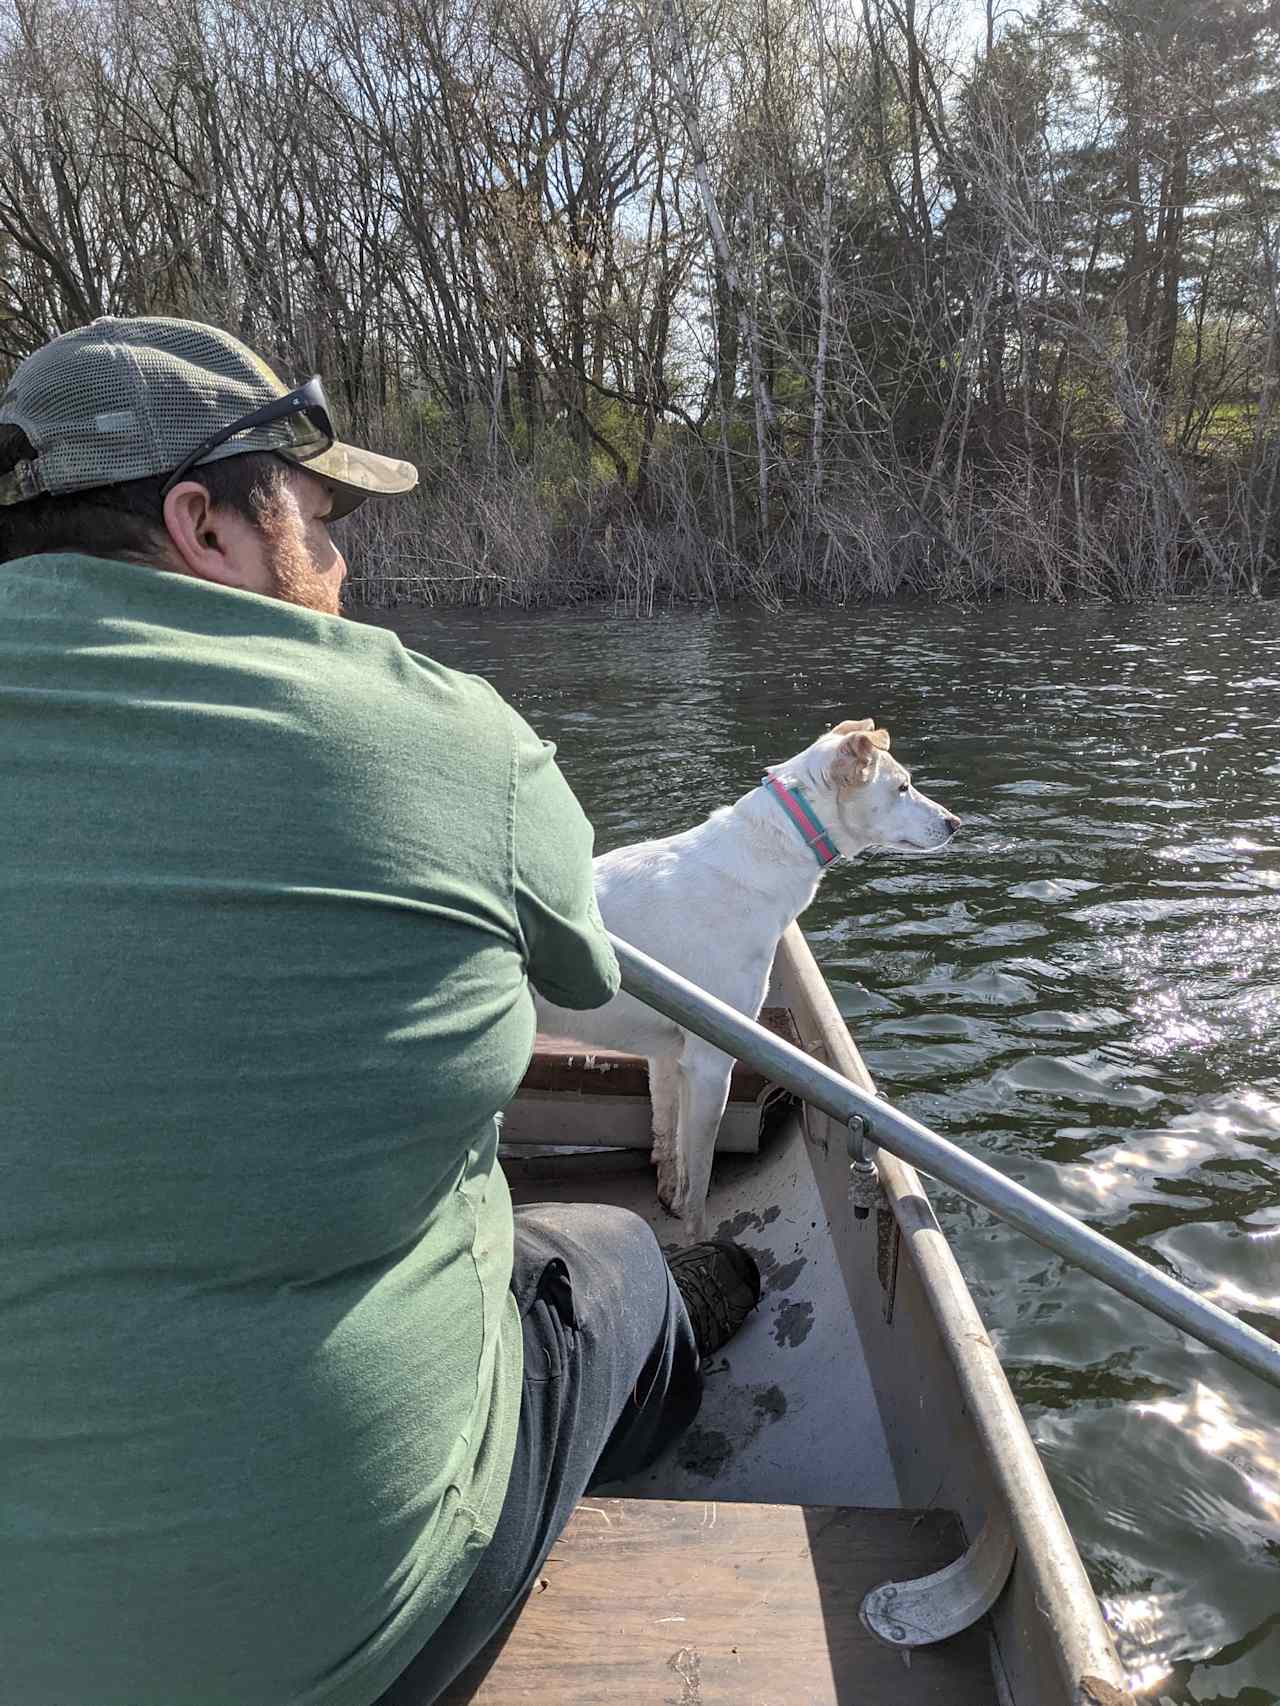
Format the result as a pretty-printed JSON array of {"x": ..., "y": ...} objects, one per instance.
[{"x": 611, "y": 1376}]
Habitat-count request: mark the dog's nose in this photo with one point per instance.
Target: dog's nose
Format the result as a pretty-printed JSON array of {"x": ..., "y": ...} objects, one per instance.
[{"x": 952, "y": 823}]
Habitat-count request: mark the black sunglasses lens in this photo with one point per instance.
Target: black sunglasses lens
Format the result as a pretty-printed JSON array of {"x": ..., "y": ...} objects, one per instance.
[{"x": 310, "y": 431}]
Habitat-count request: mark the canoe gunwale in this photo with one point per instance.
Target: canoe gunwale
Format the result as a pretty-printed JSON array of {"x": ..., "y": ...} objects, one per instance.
[{"x": 1048, "y": 1585}]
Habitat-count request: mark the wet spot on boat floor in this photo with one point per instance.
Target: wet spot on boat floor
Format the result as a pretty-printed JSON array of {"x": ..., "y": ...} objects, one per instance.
[
  {"x": 772, "y": 1401},
  {"x": 779, "y": 1276},
  {"x": 774, "y": 1275},
  {"x": 747, "y": 1220},
  {"x": 706, "y": 1451},
  {"x": 792, "y": 1324}
]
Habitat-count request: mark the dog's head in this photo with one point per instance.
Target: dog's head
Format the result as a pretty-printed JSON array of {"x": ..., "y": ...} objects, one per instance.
[{"x": 864, "y": 796}]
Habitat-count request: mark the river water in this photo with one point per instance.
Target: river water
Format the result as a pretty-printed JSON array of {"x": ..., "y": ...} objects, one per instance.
[{"x": 1084, "y": 990}]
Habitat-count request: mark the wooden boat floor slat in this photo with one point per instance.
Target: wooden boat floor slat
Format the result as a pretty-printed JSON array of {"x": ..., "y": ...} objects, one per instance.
[{"x": 704, "y": 1603}]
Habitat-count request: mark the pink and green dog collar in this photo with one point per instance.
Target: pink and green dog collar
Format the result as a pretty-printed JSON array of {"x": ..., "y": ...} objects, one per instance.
[{"x": 809, "y": 826}]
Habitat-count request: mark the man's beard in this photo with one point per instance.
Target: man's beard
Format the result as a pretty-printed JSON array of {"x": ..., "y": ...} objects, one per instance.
[{"x": 294, "y": 579}]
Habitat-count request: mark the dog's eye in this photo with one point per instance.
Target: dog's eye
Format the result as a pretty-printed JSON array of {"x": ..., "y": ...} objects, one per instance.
[{"x": 905, "y": 788}]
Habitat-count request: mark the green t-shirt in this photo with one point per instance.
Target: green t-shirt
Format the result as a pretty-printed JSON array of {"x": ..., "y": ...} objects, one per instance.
[{"x": 271, "y": 892}]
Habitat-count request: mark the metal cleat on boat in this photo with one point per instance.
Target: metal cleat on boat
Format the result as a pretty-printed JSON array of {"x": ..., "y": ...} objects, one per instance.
[{"x": 864, "y": 1181}]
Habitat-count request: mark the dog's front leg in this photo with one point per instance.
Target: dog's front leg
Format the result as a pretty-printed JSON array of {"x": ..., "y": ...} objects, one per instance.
[
  {"x": 664, "y": 1093},
  {"x": 704, "y": 1075}
]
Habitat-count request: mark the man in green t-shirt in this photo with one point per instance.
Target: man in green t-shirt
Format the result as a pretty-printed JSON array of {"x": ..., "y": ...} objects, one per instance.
[{"x": 291, "y": 1404}]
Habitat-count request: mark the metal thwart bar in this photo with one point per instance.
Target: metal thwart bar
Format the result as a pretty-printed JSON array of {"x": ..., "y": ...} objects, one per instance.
[{"x": 727, "y": 1029}]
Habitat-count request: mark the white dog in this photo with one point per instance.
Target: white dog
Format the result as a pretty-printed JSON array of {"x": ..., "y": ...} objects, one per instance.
[{"x": 711, "y": 904}]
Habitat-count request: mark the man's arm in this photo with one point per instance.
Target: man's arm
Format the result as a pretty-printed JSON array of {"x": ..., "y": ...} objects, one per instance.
[{"x": 568, "y": 957}]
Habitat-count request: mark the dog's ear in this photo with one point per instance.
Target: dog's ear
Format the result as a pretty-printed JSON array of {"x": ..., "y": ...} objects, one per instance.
[
  {"x": 855, "y": 760},
  {"x": 854, "y": 726}
]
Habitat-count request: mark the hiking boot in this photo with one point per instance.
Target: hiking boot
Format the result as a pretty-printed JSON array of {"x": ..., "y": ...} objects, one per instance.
[{"x": 720, "y": 1285}]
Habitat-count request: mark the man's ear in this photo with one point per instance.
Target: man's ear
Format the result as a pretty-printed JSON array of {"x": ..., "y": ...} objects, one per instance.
[
  {"x": 203, "y": 537},
  {"x": 856, "y": 759}
]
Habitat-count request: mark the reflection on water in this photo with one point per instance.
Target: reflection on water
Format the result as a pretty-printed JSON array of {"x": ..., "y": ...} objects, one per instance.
[
  {"x": 1207, "y": 1421},
  {"x": 1085, "y": 989}
]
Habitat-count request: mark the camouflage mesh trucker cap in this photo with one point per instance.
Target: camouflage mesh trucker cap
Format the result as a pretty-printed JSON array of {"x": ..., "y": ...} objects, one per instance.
[{"x": 125, "y": 400}]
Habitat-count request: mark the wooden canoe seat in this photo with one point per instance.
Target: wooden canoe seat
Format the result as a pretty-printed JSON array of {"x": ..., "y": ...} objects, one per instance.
[
  {"x": 659, "y": 1602},
  {"x": 573, "y": 1093}
]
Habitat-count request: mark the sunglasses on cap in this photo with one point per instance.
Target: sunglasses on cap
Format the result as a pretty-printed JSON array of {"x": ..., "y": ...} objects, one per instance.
[{"x": 305, "y": 408}]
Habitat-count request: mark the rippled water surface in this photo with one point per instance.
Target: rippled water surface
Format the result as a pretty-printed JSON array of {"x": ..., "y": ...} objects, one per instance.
[{"x": 1084, "y": 989}]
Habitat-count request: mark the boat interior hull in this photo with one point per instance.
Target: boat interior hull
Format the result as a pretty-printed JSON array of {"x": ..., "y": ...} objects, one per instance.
[{"x": 865, "y": 1378}]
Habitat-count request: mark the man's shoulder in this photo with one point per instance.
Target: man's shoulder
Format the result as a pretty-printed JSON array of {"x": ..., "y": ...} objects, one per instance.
[
  {"x": 423, "y": 679},
  {"x": 257, "y": 650},
  {"x": 378, "y": 695}
]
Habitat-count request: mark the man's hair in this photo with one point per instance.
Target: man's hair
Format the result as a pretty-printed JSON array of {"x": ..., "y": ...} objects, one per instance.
[{"x": 125, "y": 520}]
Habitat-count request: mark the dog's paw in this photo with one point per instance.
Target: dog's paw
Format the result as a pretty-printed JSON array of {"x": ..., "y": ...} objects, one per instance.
[
  {"x": 667, "y": 1188},
  {"x": 673, "y": 1185}
]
